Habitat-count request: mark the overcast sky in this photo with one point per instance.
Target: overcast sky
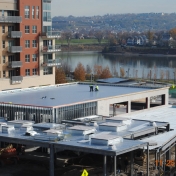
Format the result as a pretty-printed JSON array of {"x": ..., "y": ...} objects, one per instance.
[{"x": 101, "y": 7}]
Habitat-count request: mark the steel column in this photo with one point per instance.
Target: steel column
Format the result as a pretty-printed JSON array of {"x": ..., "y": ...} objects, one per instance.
[
  {"x": 51, "y": 160},
  {"x": 115, "y": 166},
  {"x": 175, "y": 155},
  {"x": 156, "y": 159},
  {"x": 131, "y": 163},
  {"x": 148, "y": 160},
  {"x": 168, "y": 155},
  {"x": 105, "y": 163}
]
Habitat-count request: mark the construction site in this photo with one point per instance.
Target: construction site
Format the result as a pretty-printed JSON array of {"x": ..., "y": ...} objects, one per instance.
[{"x": 116, "y": 131}]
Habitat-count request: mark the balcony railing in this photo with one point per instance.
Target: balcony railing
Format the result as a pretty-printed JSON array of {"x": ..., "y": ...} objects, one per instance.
[
  {"x": 51, "y": 34},
  {"x": 15, "y": 49},
  {"x": 15, "y": 64},
  {"x": 10, "y": 19},
  {"x": 50, "y": 63},
  {"x": 55, "y": 48},
  {"x": 15, "y": 34},
  {"x": 16, "y": 79}
]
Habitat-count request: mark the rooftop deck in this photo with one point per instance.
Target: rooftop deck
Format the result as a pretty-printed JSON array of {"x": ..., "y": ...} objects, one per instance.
[{"x": 68, "y": 94}]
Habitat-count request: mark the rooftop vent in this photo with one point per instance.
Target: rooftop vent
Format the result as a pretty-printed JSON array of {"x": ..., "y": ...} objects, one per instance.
[
  {"x": 106, "y": 139},
  {"x": 116, "y": 119},
  {"x": 81, "y": 130},
  {"x": 110, "y": 126}
]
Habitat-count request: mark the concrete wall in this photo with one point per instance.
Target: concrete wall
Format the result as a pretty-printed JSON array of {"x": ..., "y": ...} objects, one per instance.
[
  {"x": 28, "y": 81},
  {"x": 103, "y": 105}
]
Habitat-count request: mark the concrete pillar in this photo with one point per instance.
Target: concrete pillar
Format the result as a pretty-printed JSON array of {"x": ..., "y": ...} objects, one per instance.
[
  {"x": 51, "y": 160},
  {"x": 105, "y": 160},
  {"x": 115, "y": 166},
  {"x": 128, "y": 108},
  {"x": 147, "y": 102},
  {"x": 148, "y": 160},
  {"x": 114, "y": 109},
  {"x": 131, "y": 163}
]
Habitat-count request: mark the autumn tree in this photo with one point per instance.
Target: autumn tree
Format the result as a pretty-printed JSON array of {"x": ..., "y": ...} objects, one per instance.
[
  {"x": 106, "y": 73},
  {"x": 97, "y": 71},
  {"x": 60, "y": 76},
  {"x": 80, "y": 72},
  {"x": 150, "y": 36},
  {"x": 122, "y": 72},
  {"x": 67, "y": 36},
  {"x": 173, "y": 33},
  {"x": 99, "y": 36}
]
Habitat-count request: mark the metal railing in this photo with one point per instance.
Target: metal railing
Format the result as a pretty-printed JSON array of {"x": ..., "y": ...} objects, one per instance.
[
  {"x": 15, "y": 34},
  {"x": 51, "y": 34},
  {"x": 16, "y": 79},
  {"x": 15, "y": 49},
  {"x": 15, "y": 64},
  {"x": 51, "y": 63},
  {"x": 51, "y": 48},
  {"x": 10, "y": 19}
]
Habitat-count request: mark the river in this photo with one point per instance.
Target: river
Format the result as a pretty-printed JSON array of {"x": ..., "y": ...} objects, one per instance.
[{"x": 150, "y": 67}]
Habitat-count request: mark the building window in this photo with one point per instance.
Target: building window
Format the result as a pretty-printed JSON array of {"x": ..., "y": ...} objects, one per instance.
[
  {"x": 33, "y": 13},
  {"x": 34, "y": 29},
  {"x": 27, "y": 72},
  {"x": 27, "y": 14},
  {"x": 27, "y": 29},
  {"x": 34, "y": 71},
  {"x": 3, "y": 44},
  {"x": 37, "y": 12},
  {"x": 27, "y": 43},
  {"x": 27, "y": 58},
  {"x": 34, "y": 43},
  {"x": 3, "y": 59},
  {"x": 4, "y": 74},
  {"x": 34, "y": 57},
  {"x": 3, "y": 29},
  {"x": 47, "y": 70}
]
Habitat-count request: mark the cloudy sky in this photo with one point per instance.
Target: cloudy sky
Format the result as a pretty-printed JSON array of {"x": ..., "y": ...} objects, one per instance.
[{"x": 101, "y": 7}]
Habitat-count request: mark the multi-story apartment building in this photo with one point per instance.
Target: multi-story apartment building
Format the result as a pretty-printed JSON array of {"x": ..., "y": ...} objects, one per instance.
[{"x": 27, "y": 44}]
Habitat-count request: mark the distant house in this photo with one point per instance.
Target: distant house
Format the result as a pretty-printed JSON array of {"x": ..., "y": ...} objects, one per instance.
[
  {"x": 166, "y": 40},
  {"x": 130, "y": 41},
  {"x": 137, "y": 41}
]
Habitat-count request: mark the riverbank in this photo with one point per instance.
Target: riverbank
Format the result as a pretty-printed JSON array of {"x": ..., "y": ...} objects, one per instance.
[
  {"x": 139, "y": 54},
  {"x": 85, "y": 47},
  {"x": 140, "y": 51}
]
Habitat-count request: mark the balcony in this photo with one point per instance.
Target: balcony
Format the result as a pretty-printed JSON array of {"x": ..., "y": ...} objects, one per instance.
[
  {"x": 10, "y": 19},
  {"x": 15, "y": 64},
  {"x": 15, "y": 34},
  {"x": 51, "y": 34},
  {"x": 15, "y": 49},
  {"x": 51, "y": 63},
  {"x": 16, "y": 79},
  {"x": 51, "y": 49}
]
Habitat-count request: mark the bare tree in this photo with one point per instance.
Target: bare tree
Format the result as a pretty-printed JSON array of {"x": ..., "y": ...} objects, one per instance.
[
  {"x": 162, "y": 75},
  {"x": 99, "y": 36},
  {"x": 67, "y": 36}
]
